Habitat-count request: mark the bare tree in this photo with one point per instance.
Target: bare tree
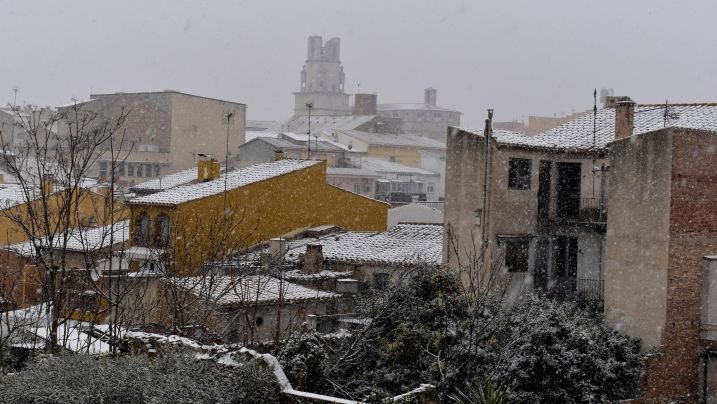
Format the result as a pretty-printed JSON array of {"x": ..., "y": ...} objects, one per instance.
[{"x": 60, "y": 149}]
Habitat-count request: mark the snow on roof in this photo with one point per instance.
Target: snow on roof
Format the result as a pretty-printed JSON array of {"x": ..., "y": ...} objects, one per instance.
[
  {"x": 351, "y": 172},
  {"x": 320, "y": 145},
  {"x": 439, "y": 206},
  {"x": 227, "y": 290},
  {"x": 577, "y": 134},
  {"x": 80, "y": 240},
  {"x": 253, "y": 134},
  {"x": 388, "y": 167},
  {"x": 13, "y": 194},
  {"x": 168, "y": 181},
  {"x": 234, "y": 179},
  {"x": 408, "y": 106},
  {"x": 400, "y": 140},
  {"x": 403, "y": 244},
  {"x": 320, "y": 123}
]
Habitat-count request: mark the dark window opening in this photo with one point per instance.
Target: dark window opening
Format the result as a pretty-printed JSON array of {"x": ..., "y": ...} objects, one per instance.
[
  {"x": 568, "y": 192},
  {"x": 565, "y": 250},
  {"x": 516, "y": 254},
  {"x": 142, "y": 229},
  {"x": 163, "y": 230},
  {"x": 519, "y": 173},
  {"x": 259, "y": 321},
  {"x": 380, "y": 281}
]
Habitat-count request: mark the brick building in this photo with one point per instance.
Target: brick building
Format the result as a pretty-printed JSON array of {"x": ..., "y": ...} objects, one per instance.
[{"x": 663, "y": 221}]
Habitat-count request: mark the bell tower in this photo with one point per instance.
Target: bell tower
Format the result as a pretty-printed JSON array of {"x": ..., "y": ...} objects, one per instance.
[{"x": 322, "y": 80}]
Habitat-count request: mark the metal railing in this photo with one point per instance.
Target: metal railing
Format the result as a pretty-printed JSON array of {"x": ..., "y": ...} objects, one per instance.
[
  {"x": 584, "y": 210},
  {"x": 591, "y": 290},
  {"x": 330, "y": 323}
]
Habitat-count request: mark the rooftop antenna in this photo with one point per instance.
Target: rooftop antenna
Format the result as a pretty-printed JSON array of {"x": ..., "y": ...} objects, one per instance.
[
  {"x": 594, "y": 133},
  {"x": 226, "y": 161},
  {"x": 664, "y": 122}
]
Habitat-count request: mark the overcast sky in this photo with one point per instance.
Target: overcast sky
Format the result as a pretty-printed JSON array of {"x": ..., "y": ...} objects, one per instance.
[{"x": 519, "y": 57}]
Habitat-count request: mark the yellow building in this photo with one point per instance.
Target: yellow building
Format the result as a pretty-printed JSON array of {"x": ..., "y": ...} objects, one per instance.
[
  {"x": 46, "y": 214},
  {"x": 186, "y": 226}
]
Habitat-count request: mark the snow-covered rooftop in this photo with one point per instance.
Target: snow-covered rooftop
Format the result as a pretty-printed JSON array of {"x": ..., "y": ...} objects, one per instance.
[
  {"x": 388, "y": 139},
  {"x": 320, "y": 145},
  {"x": 320, "y": 123},
  {"x": 234, "y": 179},
  {"x": 403, "y": 244},
  {"x": 388, "y": 167},
  {"x": 168, "y": 181},
  {"x": 578, "y": 133},
  {"x": 80, "y": 240},
  {"x": 227, "y": 290},
  {"x": 408, "y": 106},
  {"x": 351, "y": 172}
]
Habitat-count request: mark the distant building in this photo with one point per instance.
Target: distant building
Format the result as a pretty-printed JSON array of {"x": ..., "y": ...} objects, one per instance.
[
  {"x": 322, "y": 80},
  {"x": 540, "y": 124},
  {"x": 167, "y": 131},
  {"x": 263, "y": 149},
  {"x": 416, "y": 212},
  {"x": 425, "y": 119}
]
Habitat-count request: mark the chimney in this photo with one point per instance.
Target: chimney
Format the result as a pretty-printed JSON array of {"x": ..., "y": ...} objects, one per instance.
[
  {"x": 208, "y": 170},
  {"x": 624, "y": 118},
  {"x": 430, "y": 95},
  {"x": 613, "y": 100},
  {"x": 365, "y": 104},
  {"x": 313, "y": 259},
  {"x": 48, "y": 184},
  {"x": 278, "y": 246}
]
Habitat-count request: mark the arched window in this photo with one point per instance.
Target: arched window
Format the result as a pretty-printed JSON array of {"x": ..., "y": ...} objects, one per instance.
[
  {"x": 142, "y": 229},
  {"x": 163, "y": 230}
]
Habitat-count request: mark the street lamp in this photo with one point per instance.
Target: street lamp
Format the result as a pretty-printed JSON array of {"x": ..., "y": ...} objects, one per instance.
[{"x": 309, "y": 105}]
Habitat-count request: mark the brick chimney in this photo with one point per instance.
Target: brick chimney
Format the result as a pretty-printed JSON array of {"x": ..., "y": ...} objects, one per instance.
[
  {"x": 430, "y": 96},
  {"x": 208, "y": 170},
  {"x": 365, "y": 104},
  {"x": 48, "y": 184},
  {"x": 313, "y": 259},
  {"x": 624, "y": 118}
]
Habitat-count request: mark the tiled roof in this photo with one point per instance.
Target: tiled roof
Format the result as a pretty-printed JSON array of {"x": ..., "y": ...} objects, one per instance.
[
  {"x": 323, "y": 146},
  {"x": 407, "y": 106},
  {"x": 400, "y": 140},
  {"x": 234, "y": 179},
  {"x": 168, "y": 181},
  {"x": 403, "y": 244},
  {"x": 388, "y": 167},
  {"x": 578, "y": 133},
  {"x": 351, "y": 172},
  {"x": 227, "y": 290},
  {"x": 80, "y": 240},
  {"x": 320, "y": 123}
]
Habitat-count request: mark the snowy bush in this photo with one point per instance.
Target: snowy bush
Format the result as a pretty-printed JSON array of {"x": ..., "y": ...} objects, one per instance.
[
  {"x": 131, "y": 379},
  {"x": 426, "y": 330}
]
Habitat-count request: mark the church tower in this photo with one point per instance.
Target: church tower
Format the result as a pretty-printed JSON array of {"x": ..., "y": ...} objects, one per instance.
[{"x": 322, "y": 81}]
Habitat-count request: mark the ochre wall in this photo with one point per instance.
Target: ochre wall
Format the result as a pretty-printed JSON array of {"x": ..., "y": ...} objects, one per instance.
[{"x": 262, "y": 210}]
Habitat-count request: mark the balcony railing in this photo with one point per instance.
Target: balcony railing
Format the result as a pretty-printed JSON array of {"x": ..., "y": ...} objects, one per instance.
[
  {"x": 582, "y": 210},
  {"x": 590, "y": 290},
  {"x": 330, "y": 323}
]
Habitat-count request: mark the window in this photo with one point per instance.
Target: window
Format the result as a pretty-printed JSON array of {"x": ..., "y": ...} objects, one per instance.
[
  {"x": 130, "y": 170},
  {"x": 565, "y": 251},
  {"x": 156, "y": 170},
  {"x": 148, "y": 170},
  {"x": 163, "y": 230},
  {"x": 431, "y": 188},
  {"x": 519, "y": 173},
  {"x": 380, "y": 281},
  {"x": 103, "y": 169},
  {"x": 516, "y": 254},
  {"x": 142, "y": 229},
  {"x": 139, "y": 168},
  {"x": 119, "y": 169}
]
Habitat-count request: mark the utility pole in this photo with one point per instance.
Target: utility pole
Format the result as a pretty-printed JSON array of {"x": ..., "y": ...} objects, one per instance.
[
  {"x": 308, "y": 137},
  {"x": 226, "y": 162}
]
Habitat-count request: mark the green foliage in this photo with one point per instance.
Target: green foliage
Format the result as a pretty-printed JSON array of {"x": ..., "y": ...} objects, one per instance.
[
  {"x": 170, "y": 379},
  {"x": 425, "y": 330},
  {"x": 303, "y": 359},
  {"x": 488, "y": 393}
]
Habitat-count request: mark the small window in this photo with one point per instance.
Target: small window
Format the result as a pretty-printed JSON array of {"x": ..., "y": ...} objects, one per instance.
[
  {"x": 142, "y": 229},
  {"x": 163, "y": 230},
  {"x": 519, "y": 173},
  {"x": 431, "y": 188},
  {"x": 140, "y": 171},
  {"x": 516, "y": 254},
  {"x": 130, "y": 170},
  {"x": 103, "y": 169},
  {"x": 380, "y": 281}
]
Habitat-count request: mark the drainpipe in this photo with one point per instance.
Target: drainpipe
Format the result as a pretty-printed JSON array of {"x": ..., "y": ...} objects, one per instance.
[{"x": 488, "y": 132}]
